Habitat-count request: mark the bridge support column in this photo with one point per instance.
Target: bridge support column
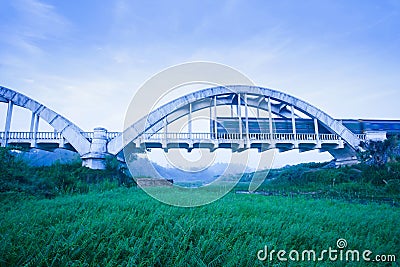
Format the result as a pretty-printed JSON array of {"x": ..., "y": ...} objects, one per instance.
[
  {"x": 246, "y": 113},
  {"x": 165, "y": 141},
  {"x": 296, "y": 143},
  {"x": 375, "y": 136},
  {"x": 215, "y": 118},
  {"x": 96, "y": 158},
  {"x": 239, "y": 112},
  {"x": 8, "y": 122},
  {"x": 190, "y": 121},
  {"x": 34, "y": 129},
  {"x": 271, "y": 137},
  {"x": 344, "y": 156},
  {"x": 317, "y": 133}
]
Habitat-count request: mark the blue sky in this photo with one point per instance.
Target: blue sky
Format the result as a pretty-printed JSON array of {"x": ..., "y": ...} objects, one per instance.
[{"x": 85, "y": 59}]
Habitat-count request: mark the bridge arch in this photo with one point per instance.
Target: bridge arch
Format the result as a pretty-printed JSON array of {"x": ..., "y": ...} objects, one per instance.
[
  {"x": 72, "y": 133},
  {"x": 203, "y": 99}
]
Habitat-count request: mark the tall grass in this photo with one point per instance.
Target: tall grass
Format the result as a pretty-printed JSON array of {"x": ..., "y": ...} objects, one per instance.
[
  {"x": 126, "y": 227},
  {"x": 95, "y": 219}
]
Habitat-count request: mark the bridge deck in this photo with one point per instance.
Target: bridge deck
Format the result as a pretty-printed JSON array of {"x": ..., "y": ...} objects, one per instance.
[{"x": 235, "y": 141}]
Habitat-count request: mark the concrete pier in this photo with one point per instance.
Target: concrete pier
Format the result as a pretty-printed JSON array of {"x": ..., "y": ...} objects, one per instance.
[{"x": 96, "y": 158}]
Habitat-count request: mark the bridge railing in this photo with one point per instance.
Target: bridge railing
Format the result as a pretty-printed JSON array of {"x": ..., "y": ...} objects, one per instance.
[
  {"x": 30, "y": 135},
  {"x": 236, "y": 136},
  {"x": 48, "y": 135},
  {"x": 87, "y": 135},
  {"x": 361, "y": 136},
  {"x": 111, "y": 135},
  {"x": 329, "y": 137},
  {"x": 185, "y": 136},
  {"x": 176, "y": 136}
]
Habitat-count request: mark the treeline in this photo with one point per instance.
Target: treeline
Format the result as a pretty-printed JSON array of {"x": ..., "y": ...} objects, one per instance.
[
  {"x": 361, "y": 181},
  {"x": 381, "y": 152},
  {"x": 386, "y": 176},
  {"x": 16, "y": 175},
  {"x": 376, "y": 177}
]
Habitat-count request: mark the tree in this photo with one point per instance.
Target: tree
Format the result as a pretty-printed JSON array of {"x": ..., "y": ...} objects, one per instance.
[{"x": 380, "y": 152}]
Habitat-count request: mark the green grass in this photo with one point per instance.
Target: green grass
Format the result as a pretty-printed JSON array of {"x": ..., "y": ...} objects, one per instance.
[
  {"x": 67, "y": 215},
  {"x": 124, "y": 226}
]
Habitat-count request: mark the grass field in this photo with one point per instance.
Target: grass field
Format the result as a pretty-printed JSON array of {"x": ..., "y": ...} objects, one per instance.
[{"x": 124, "y": 226}]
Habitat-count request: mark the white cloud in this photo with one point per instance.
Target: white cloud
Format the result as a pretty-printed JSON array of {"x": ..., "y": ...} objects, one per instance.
[{"x": 34, "y": 22}]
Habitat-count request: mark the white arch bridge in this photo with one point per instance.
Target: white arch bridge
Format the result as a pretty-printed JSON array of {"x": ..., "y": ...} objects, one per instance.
[{"x": 259, "y": 118}]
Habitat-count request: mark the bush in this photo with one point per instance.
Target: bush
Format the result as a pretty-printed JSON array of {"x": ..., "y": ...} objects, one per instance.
[
  {"x": 393, "y": 187},
  {"x": 57, "y": 179},
  {"x": 12, "y": 170}
]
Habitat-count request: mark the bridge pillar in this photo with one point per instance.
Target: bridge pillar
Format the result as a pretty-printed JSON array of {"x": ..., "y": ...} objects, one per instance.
[
  {"x": 344, "y": 156},
  {"x": 96, "y": 158},
  {"x": 375, "y": 135},
  {"x": 8, "y": 122},
  {"x": 296, "y": 142},
  {"x": 34, "y": 129}
]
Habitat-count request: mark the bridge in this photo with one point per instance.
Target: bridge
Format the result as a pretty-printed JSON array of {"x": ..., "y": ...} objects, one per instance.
[{"x": 279, "y": 121}]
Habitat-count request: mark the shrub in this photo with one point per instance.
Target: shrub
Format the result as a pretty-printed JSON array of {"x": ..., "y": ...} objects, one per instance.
[
  {"x": 12, "y": 170},
  {"x": 56, "y": 179}
]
